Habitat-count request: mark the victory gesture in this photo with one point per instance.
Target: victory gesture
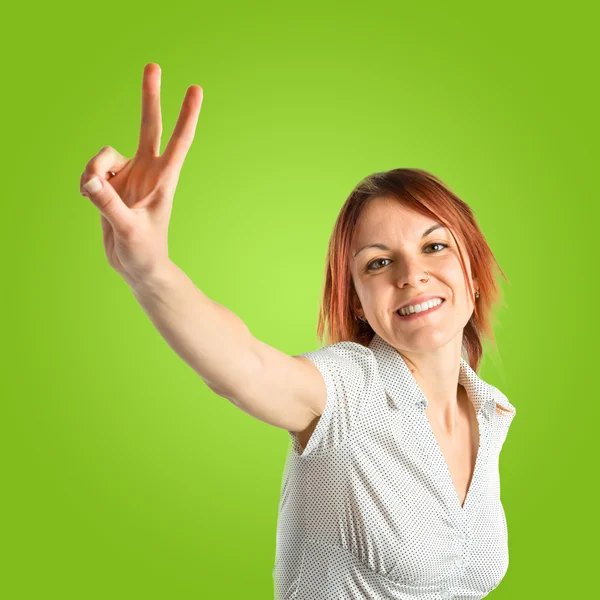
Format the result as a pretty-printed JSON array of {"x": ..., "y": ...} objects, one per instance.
[{"x": 135, "y": 196}]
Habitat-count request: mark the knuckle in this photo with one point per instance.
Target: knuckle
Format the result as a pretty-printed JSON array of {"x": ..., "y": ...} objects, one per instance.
[{"x": 96, "y": 163}]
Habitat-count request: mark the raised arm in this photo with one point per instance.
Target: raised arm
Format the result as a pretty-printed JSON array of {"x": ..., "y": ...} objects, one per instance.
[
  {"x": 285, "y": 391},
  {"x": 135, "y": 198}
]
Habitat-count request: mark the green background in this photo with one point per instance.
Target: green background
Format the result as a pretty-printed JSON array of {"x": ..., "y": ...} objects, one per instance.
[{"x": 123, "y": 475}]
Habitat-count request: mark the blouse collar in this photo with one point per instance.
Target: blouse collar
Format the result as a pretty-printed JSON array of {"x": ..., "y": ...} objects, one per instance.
[{"x": 405, "y": 393}]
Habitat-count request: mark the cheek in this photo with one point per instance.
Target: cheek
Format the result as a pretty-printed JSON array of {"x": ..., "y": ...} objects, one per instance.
[{"x": 456, "y": 277}]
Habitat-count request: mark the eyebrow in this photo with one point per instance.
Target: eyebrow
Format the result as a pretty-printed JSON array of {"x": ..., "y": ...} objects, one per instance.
[{"x": 384, "y": 247}]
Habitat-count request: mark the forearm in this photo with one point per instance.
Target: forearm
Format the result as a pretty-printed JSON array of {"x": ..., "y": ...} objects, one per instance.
[{"x": 206, "y": 335}]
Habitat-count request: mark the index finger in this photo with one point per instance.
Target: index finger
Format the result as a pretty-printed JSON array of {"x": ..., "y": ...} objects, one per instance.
[{"x": 151, "y": 127}]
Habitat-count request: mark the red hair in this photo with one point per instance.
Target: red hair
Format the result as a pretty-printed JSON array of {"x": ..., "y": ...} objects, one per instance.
[{"x": 426, "y": 194}]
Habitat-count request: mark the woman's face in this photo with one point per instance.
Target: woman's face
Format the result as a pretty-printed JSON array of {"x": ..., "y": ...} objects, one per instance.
[{"x": 387, "y": 279}]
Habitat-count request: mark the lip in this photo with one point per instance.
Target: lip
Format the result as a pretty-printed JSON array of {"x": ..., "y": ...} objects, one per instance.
[{"x": 424, "y": 313}]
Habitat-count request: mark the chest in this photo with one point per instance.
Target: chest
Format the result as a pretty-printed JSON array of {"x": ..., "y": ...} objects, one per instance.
[
  {"x": 404, "y": 501},
  {"x": 460, "y": 449}
]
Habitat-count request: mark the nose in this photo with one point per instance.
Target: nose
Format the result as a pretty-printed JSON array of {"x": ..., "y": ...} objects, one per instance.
[{"x": 410, "y": 272}]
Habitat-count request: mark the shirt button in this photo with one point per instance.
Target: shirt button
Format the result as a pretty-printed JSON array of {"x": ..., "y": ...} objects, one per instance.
[
  {"x": 445, "y": 595},
  {"x": 462, "y": 536},
  {"x": 459, "y": 562}
]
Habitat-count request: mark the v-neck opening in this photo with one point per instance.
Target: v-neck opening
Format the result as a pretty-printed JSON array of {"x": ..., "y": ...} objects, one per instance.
[
  {"x": 448, "y": 474},
  {"x": 412, "y": 398}
]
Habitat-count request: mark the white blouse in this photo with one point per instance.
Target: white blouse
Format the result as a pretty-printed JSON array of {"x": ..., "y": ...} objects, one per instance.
[{"x": 369, "y": 509}]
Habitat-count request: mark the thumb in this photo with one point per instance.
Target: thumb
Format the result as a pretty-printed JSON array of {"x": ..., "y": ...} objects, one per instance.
[{"x": 109, "y": 203}]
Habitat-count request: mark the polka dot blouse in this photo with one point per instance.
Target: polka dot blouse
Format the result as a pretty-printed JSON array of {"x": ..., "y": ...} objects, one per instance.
[{"x": 369, "y": 510}]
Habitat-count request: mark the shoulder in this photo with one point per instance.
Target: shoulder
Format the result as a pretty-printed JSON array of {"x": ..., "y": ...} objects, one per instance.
[
  {"x": 345, "y": 357},
  {"x": 503, "y": 406},
  {"x": 348, "y": 350},
  {"x": 348, "y": 370}
]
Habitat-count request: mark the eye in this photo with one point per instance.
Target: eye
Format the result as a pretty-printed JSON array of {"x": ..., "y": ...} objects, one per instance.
[
  {"x": 370, "y": 268},
  {"x": 436, "y": 244}
]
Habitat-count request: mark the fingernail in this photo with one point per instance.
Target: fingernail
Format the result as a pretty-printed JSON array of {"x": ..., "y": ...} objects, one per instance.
[{"x": 93, "y": 185}]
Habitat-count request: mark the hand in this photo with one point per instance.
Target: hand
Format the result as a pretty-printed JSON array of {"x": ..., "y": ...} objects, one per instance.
[{"x": 136, "y": 195}]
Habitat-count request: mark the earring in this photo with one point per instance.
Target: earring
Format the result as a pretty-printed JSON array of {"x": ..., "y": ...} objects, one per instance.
[{"x": 477, "y": 294}]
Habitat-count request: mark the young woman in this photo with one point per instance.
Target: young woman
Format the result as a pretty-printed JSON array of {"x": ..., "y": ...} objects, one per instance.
[{"x": 391, "y": 488}]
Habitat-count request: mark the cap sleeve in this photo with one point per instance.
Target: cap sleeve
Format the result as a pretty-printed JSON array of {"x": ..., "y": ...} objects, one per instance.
[
  {"x": 348, "y": 369},
  {"x": 506, "y": 412}
]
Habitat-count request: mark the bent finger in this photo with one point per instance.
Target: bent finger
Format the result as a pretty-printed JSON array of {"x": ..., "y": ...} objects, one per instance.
[
  {"x": 109, "y": 203},
  {"x": 107, "y": 162}
]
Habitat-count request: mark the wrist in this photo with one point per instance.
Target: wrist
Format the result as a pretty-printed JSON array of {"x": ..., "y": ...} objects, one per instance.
[{"x": 159, "y": 276}]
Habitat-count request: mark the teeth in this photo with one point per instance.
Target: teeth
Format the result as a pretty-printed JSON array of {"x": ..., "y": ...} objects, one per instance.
[{"x": 408, "y": 310}]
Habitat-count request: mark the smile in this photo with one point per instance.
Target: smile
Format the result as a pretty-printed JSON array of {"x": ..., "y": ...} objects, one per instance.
[{"x": 422, "y": 313}]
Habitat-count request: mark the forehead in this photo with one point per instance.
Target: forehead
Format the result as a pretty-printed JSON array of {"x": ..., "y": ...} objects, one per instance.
[{"x": 388, "y": 219}]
